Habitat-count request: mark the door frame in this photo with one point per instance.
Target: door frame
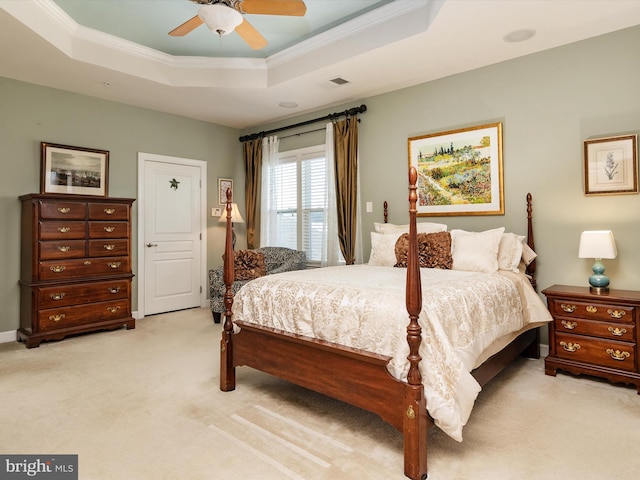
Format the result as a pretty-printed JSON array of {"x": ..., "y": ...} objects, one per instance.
[{"x": 202, "y": 165}]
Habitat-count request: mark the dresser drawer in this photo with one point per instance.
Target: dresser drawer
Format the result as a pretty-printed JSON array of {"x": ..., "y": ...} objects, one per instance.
[
  {"x": 609, "y": 353},
  {"x": 594, "y": 311},
  {"x": 64, "y": 295},
  {"x": 613, "y": 331},
  {"x": 57, "y": 318},
  {"x": 108, "y": 248},
  {"x": 85, "y": 267},
  {"x": 59, "y": 230},
  {"x": 108, "y": 229},
  {"x": 63, "y": 249},
  {"x": 62, "y": 210},
  {"x": 108, "y": 211}
]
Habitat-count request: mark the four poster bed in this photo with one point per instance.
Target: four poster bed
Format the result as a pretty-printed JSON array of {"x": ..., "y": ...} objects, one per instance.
[{"x": 362, "y": 350}]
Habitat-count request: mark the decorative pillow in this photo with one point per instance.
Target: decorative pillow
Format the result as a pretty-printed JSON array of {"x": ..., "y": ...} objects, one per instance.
[
  {"x": 528, "y": 255},
  {"x": 421, "y": 227},
  {"x": 249, "y": 264},
  {"x": 476, "y": 251},
  {"x": 510, "y": 252},
  {"x": 382, "y": 249},
  {"x": 434, "y": 250}
]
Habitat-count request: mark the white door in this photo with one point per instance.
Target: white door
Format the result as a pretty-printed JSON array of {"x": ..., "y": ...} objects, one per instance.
[{"x": 172, "y": 229}]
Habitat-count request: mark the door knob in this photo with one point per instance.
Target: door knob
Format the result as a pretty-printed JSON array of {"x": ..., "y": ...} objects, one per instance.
[{"x": 152, "y": 244}]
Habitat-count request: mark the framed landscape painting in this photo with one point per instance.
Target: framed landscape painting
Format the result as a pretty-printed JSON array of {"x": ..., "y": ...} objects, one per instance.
[
  {"x": 459, "y": 171},
  {"x": 74, "y": 170}
]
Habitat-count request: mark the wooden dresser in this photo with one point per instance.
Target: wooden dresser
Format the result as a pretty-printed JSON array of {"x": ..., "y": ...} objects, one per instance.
[
  {"x": 594, "y": 334},
  {"x": 75, "y": 266}
]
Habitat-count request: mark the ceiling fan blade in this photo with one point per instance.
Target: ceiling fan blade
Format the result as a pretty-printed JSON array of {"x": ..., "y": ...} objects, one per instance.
[
  {"x": 293, "y": 8},
  {"x": 186, "y": 27},
  {"x": 250, "y": 35}
]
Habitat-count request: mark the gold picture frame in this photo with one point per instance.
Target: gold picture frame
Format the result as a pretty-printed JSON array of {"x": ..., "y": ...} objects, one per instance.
[
  {"x": 459, "y": 171},
  {"x": 611, "y": 165},
  {"x": 224, "y": 184},
  {"x": 74, "y": 170}
]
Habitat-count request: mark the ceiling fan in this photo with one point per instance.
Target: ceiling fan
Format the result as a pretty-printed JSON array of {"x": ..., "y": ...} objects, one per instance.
[{"x": 225, "y": 16}]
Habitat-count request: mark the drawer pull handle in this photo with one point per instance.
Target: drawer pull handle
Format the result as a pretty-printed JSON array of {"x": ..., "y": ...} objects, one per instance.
[
  {"x": 113, "y": 309},
  {"x": 617, "y": 354},
  {"x": 114, "y": 289},
  {"x": 109, "y": 229},
  {"x": 87, "y": 262},
  {"x": 64, "y": 248},
  {"x": 64, "y": 209},
  {"x": 56, "y": 318},
  {"x": 114, "y": 264},
  {"x": 591, "y": 309},
  {"x": 109, "y": 247},
  {"x": 568, "y": 308},
  {"x": 109, "y": 211},
  {"x": 618, "y": 332},
  {"x": 616, "y": 313},
  {"x": 569, "y": 325},
  {"x": 570, "y": 346},
  {"x": 57, "y": 296},
  {"x": 57, "y": 268},
  {"x": 64, "y": 229}
]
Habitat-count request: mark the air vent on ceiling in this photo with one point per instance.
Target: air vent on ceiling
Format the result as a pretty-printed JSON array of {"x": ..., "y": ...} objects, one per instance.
[{"x": 339, "y": 81}]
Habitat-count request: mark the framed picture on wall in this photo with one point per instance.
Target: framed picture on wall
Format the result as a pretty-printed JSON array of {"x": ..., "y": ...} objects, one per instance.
[
  {"x": 224, "y": 184},
  {"x": 74, "y": 170},
  {"x": 459, "y": 171},
  {"x": 611, "y": 165}
]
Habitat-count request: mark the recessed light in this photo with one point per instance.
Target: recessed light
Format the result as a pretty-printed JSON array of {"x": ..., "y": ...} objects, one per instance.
[
  {"x": 288, "y": 104},
  {"x": 519, "y": 35}
]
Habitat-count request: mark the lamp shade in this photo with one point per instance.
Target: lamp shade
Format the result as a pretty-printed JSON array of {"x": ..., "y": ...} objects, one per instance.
[
  {"x": 220, "y": 18},
  {"x": 597, "y": 244},
  {"x": 235, "y": 214}
]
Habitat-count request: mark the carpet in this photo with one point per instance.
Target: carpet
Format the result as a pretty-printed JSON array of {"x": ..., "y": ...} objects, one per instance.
[{"x": 145, "y": 404}]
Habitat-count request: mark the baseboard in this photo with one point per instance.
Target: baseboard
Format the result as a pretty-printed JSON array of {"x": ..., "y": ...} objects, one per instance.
[{"x": 10, "y": 336}]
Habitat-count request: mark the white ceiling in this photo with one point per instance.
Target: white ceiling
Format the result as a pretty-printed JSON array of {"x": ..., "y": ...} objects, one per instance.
[{"x": 378, "y": 46}]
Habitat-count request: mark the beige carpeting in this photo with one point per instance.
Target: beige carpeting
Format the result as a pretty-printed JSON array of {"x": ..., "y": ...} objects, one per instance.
[{"x": 145, "y": 405}]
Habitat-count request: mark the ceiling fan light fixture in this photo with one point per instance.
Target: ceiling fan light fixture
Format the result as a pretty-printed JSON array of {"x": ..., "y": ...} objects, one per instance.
[{"x": 220, "y": 18}]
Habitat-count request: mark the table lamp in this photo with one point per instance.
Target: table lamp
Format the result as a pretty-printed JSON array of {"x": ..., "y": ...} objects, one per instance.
[
  {"x": 235, "y": 218},
  {"x": 598, "y": 244}
]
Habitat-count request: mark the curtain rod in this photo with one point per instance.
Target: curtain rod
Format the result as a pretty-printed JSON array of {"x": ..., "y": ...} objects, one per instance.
[{"x": 332, "y": 116}]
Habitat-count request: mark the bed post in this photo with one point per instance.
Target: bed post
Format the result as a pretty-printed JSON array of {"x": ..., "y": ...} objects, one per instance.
[
  {"x": 227, "y": 369},
  {"x": 531, "y": 268},
  {"x": 415, "y": 415}
]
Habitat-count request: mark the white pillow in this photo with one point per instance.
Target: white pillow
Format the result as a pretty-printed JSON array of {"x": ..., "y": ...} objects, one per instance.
[
  {"x": 383, "y": 249},
  {"x": 421, "y": 227},
  {"x": 510, "y": 252},
  {"x": 476, "y": 251}
]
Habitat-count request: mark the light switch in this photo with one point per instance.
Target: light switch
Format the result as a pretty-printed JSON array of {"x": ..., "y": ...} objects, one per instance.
[{"x": 369, "y": 207}]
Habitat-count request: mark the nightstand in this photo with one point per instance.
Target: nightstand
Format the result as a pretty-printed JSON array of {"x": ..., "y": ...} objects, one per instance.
[{"x": 594, "y": 334}]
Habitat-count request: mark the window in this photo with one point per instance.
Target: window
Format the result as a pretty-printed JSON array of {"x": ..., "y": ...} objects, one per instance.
[{"x": 297, "y": 201}]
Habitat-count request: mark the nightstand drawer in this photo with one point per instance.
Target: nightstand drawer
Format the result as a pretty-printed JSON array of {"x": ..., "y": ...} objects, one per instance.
[
  {"x": 618, "y": 355},
  {"x": 613, "y": 331},
  {"x": 592, "y": 310}
]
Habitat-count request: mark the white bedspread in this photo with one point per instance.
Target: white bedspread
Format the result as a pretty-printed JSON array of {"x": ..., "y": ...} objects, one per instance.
[{"x": 364, "y": 307}]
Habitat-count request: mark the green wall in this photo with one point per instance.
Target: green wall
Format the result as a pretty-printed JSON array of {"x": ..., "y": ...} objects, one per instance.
[
  {"x": 549, "y": 103},
  {"x": 30, "y": 114}
]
